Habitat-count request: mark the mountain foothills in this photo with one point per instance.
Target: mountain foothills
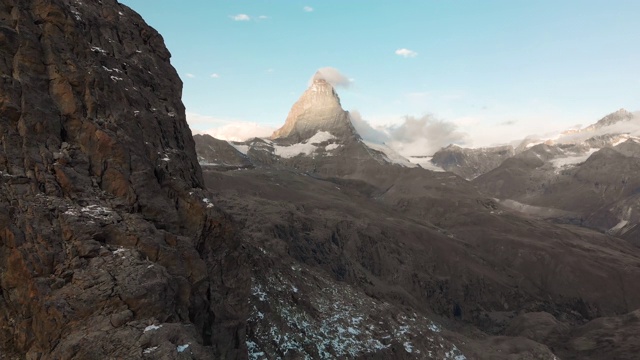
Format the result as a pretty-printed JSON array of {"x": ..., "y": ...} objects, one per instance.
[{"x": 122, "y": 237}]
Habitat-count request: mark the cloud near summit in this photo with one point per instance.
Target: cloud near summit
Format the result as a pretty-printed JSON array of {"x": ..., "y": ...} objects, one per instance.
[{"x": 333, "y": 76}]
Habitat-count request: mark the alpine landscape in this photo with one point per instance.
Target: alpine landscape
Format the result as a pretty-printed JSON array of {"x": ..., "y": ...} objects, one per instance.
[{"x": 124, "y": 235}]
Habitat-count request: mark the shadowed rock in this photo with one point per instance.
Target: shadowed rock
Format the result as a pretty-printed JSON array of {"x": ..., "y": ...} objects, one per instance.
[{"x": 105, "y": 228}]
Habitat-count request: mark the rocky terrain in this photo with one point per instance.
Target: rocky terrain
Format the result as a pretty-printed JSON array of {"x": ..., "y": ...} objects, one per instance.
[
  {"x": 571, "y": 147},
  {"x": 400, "y": 251},
  {"x": 471, "y": 163},
  {"x": 595, "y": 188},
  {"x": 109, "y": 245},
  {"x": 119, "y": 241}
]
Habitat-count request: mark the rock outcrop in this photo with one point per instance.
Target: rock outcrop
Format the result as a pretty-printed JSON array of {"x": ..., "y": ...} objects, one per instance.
[{"x": 109, "y": 245}]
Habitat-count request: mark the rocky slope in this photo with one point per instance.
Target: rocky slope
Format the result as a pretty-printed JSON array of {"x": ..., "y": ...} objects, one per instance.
[
  {"x": 219, "y": 153},
  {"x": 596, "y": 189},
  {"x": 609, "y": 131},
  {"x": 355, "y": 256},
  {"x": 109, "y": 245},
  {"x": 382, "y": 261},
  {"x": 471, "y": 163}
]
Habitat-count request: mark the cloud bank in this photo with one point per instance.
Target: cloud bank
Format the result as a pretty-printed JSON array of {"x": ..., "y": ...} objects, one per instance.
[
  {"x": 630, "y": 127},
  {"x": 333, "y": 76},
  {"x": 230, "y": 130},
  {"x": 413, "y": 136}
]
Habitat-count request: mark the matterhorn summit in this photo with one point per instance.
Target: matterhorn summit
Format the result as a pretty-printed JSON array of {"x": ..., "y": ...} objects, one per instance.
[{"x": 318, "y": 109}]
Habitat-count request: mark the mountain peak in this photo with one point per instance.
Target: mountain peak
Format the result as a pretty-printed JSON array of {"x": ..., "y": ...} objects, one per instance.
[
  {"x": 318, "y": 109},
  {"x": 614, "y": 117}
]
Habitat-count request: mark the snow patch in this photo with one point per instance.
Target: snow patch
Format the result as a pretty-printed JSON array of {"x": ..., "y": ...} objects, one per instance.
[
  {"x": 425, "y": 163},
  {"x": 99, "y": 50},
  {"x": 390, "y": 155},
  {"x": 618, "y": 226},
  {"x": 257, "y": 291},
  {"x": 150, "y": 350},
  {"x": 344, "y": 330},
  {"x": 320, "y": 137},
  {"x": 208, "y": 202},
  {"x": 182, "y": 348},
  {"x": 307, "y": 147},
  {"x": 408, "y": 347},
  {"x": 244, "y": 149},
  {"x": 254, "y": 351},
  {"x": 150, "y": 327},
  {"x": 294, "y": 150},
  {"x": 571, "y": 161}
]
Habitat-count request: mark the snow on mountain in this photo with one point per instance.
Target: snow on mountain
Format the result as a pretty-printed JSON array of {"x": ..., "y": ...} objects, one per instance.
[
  {"x": 307, "y": 147},
  {"x": 391, "y": 155}
]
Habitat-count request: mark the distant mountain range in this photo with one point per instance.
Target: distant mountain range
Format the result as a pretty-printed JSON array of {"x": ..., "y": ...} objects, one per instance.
[{"x": 510, "y": 249}]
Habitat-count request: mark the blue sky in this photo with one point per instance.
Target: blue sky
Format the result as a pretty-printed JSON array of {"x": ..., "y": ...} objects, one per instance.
[{"x": 498, "y": 70}]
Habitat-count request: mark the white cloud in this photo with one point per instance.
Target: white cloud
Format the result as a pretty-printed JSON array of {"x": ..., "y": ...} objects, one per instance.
[
  {"x": 240, "y": 17},
  {"x": 406, "y": 53},
  {"x": 412, "y": 136},
  {"x": 240, "y": 131},
  {"x": 333, "y": 76},
  {"x": 227, "y": 129},
  {"x": 307, "y": 9},
  {"x": 215, "y": 75},
  {"x": 190, "y": 76},
  {"x": 366, "y": 130},
  {"x": 263, "y": 17}
]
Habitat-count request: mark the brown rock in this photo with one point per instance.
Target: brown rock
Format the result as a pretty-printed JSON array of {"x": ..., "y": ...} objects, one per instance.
[{"x": 97, "y": 169}]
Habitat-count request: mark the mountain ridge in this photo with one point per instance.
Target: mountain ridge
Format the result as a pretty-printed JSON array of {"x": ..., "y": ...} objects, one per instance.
[{"x": 328, "y": 209}]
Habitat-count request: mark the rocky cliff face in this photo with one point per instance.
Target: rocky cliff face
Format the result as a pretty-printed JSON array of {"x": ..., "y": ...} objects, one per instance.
[
  {"x": 318, "y": 109},
  {"x": 109, "y": 245}
]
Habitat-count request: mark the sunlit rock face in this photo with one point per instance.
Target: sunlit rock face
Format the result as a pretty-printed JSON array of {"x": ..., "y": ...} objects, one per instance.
[{"x": 318, "y": 109}]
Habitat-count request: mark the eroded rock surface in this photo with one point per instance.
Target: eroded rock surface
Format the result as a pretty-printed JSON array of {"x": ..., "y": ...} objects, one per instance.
[{"x": 109, "y": 245}]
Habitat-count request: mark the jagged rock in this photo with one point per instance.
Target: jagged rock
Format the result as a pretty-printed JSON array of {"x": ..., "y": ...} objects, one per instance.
[
  {"x": 318, "y": 109},
  {"x": 471, "y": 163},
  {"x": 105, "y": 227}
]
